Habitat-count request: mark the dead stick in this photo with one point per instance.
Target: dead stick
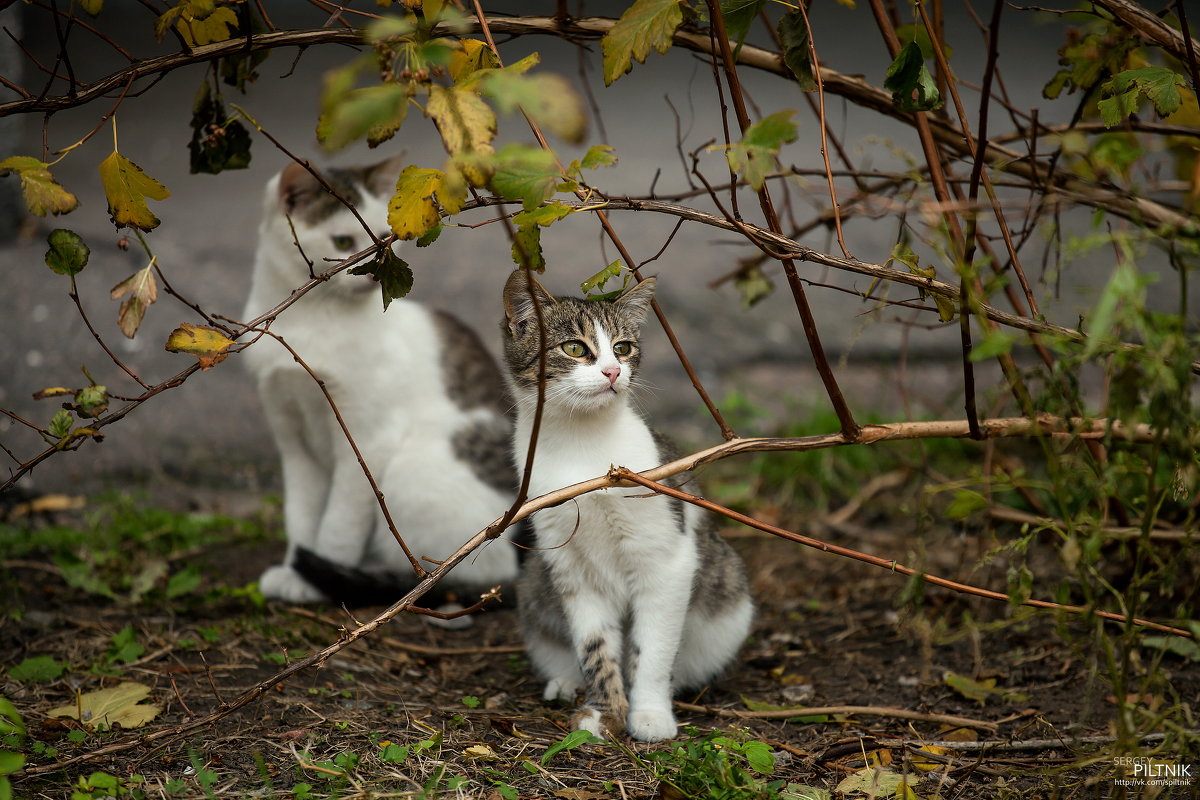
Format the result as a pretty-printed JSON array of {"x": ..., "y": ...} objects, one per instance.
[{"x": 816, "y": 711}]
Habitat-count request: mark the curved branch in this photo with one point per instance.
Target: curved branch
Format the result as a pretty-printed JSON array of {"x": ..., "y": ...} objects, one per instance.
[
  {"x": 1149, "y": 27},
  {"x": 856, "y": 90}
]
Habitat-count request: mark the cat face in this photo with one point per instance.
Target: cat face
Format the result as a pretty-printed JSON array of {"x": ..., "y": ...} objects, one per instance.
[
  {"x": 591, "y": 348},
  {"x": 327, "y": 231}
]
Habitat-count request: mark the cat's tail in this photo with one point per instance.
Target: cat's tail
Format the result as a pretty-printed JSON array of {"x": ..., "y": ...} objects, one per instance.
[{"x": 354, "y": 587}]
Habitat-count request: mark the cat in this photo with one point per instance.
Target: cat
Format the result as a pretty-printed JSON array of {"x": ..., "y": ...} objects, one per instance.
[
  {"x": 633, "y": 588},
  {"x": 425, "y": 403}
]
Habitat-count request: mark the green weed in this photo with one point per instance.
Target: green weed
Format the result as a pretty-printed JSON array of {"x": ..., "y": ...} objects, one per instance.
[{"x": 129, "y": 552}]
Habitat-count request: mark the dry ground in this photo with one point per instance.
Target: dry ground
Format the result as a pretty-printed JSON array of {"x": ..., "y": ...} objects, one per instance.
[{"x": 830, "y": 633}]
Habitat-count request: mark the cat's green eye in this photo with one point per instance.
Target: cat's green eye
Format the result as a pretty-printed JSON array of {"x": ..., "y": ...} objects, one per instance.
[
  {"x": 343, "y": 243},
  {"x": 623, "y": 348},
  {"x": 574, "y": 348}
]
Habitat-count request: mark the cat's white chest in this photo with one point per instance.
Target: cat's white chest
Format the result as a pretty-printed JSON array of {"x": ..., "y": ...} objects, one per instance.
[{"x": 570, "y": 451}]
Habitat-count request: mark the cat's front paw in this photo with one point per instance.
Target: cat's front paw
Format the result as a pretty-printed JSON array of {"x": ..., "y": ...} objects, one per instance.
[
  {"x": 651, "y": 725},
  {"x": 590, "y": 720},
  {"x": 281, "y": 582},
  {"x": 565, "y": 689}
]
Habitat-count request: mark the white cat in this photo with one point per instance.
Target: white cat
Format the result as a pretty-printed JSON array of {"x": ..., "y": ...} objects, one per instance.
[
  {"x": 632, "y": 589},
  {"x": 422, "y": 398}
]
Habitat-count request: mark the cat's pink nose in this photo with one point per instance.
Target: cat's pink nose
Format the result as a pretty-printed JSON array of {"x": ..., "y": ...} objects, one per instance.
[{"x": 612, "y": 373}]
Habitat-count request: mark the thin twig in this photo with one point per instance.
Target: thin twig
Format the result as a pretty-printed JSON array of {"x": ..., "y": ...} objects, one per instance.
[
  {"x": 620, "y": 473},
  {"x": 808, "y": 321},
  {"x": 837, "y": 711}
]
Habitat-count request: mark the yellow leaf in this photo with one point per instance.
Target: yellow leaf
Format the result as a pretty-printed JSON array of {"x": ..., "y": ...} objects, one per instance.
[
  {"x": 480, "y": 751},
  {"x": 52, "y": 391},
  {"x": 199, "y": 21},
  {"x": 142, "y": 289},
  {"x": 412, "y": 211},
  {"x": 466, "y": 123},
  {"x": 118, "y": 705},
  {"x": 43, "y": 195},
  {"x": 127, "y": 187},
  {"x": 471, "y": 56},
  {"x": 645, "y": 24},
  {"x": 928, "y": 764},
  {"x": 205, "y": 343}
]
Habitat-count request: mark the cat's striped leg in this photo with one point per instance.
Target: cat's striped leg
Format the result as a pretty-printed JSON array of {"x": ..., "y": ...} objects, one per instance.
[{"x": 594, "y": 622}]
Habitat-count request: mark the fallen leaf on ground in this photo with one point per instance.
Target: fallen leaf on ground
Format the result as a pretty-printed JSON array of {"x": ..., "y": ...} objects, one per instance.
[{"x": 118, "y": 705}]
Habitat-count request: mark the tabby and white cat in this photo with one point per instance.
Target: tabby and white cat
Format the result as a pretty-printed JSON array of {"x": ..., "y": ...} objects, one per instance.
[
  {"x": 632, "y": 589},
  {"x": 418, "y": 391}
]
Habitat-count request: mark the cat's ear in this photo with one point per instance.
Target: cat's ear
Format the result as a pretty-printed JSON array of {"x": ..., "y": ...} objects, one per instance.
[
  {"x": 636, "y": 302},
  {"x": 518, "y": 302},
  {"x": 296, "y": 186},
  {"x": 380, "y": 179}
]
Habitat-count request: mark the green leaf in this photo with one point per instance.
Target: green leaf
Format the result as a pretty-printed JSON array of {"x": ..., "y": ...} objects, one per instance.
[
  {"x": 142, "y": 289},
  {"x": 10, "y": 717},
  {"x": 125, "y": 647},
  {"x": 10, "y": 762},
  {"x": 60, "y": 423},
  {"x": 1122, "y": 94},
  {"x": 524, "y": 173},
  {"x": 209, "y": 345},
  {"x": 759, "y": 756},
  {"x": 753, "y": 285},
  {"x": 470, "y": 701},
  {"x": 217, "y": 143},
  {"x": 797, "y": 54},
  {"x": 527, "y": 248},
  {"x": 598, "y": 280},
  {"x": 1187, "y": 648},
  {"x": 946, "y": 307},
  {"x": 550, "y": 100},
  {"x": 186, "y": 581},
  {"x": 68, "y": 254},
  {"x": 1020, "y": 585},
  {"x": 646, "y": 24},
  {"x": 911, "y": 85},
  {"x": 1085, "y": 60},
  {"x": 543, "y": 215},
  {"x": 91, "y": 401},
  {"x": 393, "y": 273},
  {"x": 971, "y": 689},
  {"x": 600, "y": 155},
  {"x": 996, "y": 343},
  {"x": 754, "y": 156},
  {"x": 567, "y": 743},
  {"x": 393, "y": 753},
  {"x": 739, "y": 15},
  {"x": 43, "y": 195},
  {"x": 375, "y": 112},
  {"x": 126, "y": 187},
  {"x": 430, "y": 236},
  {"x": 91, "y": 6},
  {"x": 965, "y": 503}
]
